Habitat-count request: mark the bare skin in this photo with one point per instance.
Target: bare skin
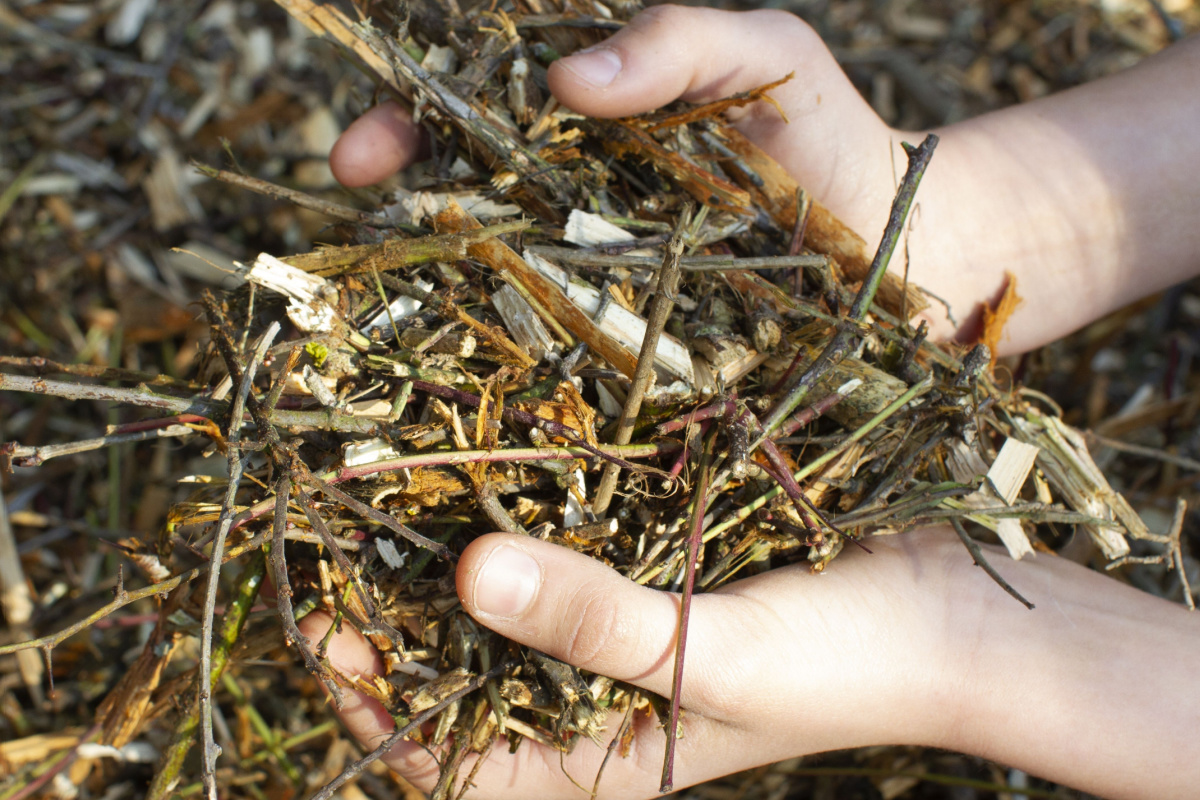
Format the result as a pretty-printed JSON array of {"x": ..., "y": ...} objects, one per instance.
[
  {"x": 911, "y": 644},
  {"x": 1090, "y": 199}
]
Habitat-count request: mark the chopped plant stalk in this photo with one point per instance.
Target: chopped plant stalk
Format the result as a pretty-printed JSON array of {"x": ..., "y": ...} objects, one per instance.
[{"x": 643, "y": 376}]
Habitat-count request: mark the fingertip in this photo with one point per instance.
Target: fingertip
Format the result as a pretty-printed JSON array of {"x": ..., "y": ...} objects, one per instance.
[
  {"x": 378, "y": 144},
  {"x": 509, "y": 557}
]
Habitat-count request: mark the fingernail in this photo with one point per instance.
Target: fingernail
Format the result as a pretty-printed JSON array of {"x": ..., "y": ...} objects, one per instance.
[
  {"x": 598, "y": 66},
  {"x": 507, "y": 582}
]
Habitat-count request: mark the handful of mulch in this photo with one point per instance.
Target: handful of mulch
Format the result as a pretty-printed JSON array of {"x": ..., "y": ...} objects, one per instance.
[{"x": 636, "y": 338}]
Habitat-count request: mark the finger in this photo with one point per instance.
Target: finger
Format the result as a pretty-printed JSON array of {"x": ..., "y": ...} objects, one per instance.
[
  {"x": 581, "y": 611},
  {"x": 534, "y": 770},
  {"x": 376, "y": 145},
  {"x": 353, "y": 656},
  {"x": 695, "y": 54},
  {"x": 832, "y": 141}
]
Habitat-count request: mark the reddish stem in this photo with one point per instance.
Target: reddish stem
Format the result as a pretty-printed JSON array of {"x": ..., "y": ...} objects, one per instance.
[{"x": 695, "y": 541}]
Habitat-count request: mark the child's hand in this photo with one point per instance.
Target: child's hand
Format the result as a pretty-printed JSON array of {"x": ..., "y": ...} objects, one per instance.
[
  {"x": 1087, "y": 198},
  {"x": 911, "y": 644},
  {"x": 780, "y": 664},
  {"x": 836, "y": 146}
]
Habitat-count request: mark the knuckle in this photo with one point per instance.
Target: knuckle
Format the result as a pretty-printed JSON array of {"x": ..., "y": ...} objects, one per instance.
[
  {"x": 594, "y": 625},
  {"x": 660, "y": 19},
  {"x": 784, "y": 24},
  {"x": 723, "y": 690}
]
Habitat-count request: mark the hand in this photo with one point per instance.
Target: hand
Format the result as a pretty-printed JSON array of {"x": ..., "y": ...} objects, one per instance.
[
  {"x": 911, "y": 644},
  {"x": 835, "y": 145},
  {"x": 780, "y": 664},
  {"x": 1087, "y": 207}
]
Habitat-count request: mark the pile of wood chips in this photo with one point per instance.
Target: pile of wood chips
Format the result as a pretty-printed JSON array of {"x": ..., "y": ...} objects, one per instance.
[{"x": 636, "y": 338}]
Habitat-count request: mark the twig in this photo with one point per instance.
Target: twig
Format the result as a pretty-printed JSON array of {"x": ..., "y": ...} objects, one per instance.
[
  {"x": 580, "y": 258},
  {"x": 1148, "y": 452},
  {"x": 809, "y": 413},
  {"x": 840, "y": 345},
  {"x": 616, "y": 741},
  {"x": 717, "y": 409},
  {"x": 211, "y": 751},
  {"x": 699, "y": 506},
  {"x": 386, "y": 520},
  {"x": 643, "y": 376},
  {"x": 124, "y": 598},
  {"x": 977, "y": 555},
  {"x": 232, "y": 622},
  {"x": 326, "y": 207},
  {"x": 376, "y": 619},
  {"x": 325, "y": 419},
  {"x": 45, "y": 366},
  {"x": 36, "y": 456},
  {"x": 357, "y": 767},
  {"x": 397, "y": 253}
]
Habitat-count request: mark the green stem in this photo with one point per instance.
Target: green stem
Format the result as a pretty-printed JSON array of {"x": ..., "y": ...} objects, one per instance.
[{"x": 840, "y": 345}]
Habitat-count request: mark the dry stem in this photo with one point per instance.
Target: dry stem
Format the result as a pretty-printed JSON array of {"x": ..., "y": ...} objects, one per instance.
[{"x": 643, "y": 376}]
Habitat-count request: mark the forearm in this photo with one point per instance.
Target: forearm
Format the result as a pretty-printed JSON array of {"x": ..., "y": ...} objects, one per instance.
[
  {"x": 1095, "y": 688},
  {"x": 1089, "y": 197}
]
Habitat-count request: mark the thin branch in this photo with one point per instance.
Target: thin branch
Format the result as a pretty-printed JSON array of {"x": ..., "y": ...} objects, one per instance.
[
  {"x": 325, "y": 419},
  {"x": 36, "y": 456},
  {"x": 699, "y": 506},
  {"x": 567, "y": 256},
  {"x": 626, "y": 721},
  {"x": 643, "y": 376},
  {"x": 386, "y": 520},
  {"x": 977, "y": 555},
  {"x": 210, "y": 751},
  {"x": 848, "y": 333},
  {"x": 339, "y": 556},
  {"x": 124, "y": 598},
  {"x": 326, "y": 207},
  {"x": 45, "y": 366}
]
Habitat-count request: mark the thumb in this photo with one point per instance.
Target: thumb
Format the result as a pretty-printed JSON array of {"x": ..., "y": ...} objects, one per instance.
[
  {"x": 578, "y": 610},
  {"x": 696, "y": 54},
  {"x": 835, "y": 144}
]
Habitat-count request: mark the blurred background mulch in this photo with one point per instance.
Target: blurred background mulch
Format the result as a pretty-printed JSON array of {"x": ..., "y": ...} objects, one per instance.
[{"x": 103, "y": 106}]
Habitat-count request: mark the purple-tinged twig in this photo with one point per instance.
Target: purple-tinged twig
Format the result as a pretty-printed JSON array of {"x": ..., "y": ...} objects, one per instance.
[
  {"x": 806, "y": 415},
  {"x": 717, "y": 409},
  {"x": 549, "y": 427},
  {"x": 681, "y": 459},
  {"x": 695, "y": 536}
]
